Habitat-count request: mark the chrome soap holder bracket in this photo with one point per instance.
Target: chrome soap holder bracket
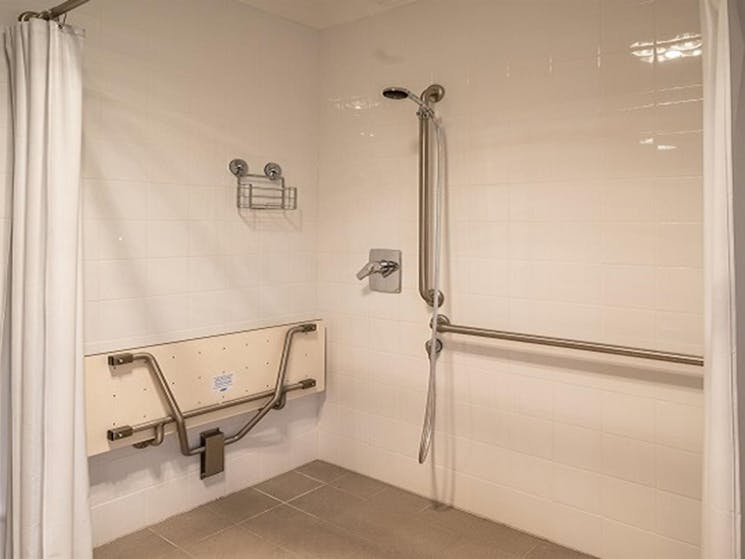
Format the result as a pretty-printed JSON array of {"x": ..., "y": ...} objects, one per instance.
[{"x": 272, "y": 195}]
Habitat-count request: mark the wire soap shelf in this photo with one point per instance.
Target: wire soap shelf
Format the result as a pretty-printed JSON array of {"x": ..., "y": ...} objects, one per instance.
[{"x": 275, "y": 195}]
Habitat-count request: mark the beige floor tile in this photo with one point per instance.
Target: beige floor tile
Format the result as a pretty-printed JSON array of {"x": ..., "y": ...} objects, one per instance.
[
  {"x": 236, "y": 543},
  {"x": 365, "y": 521},
  {"x": 175, "y": 554},
  {"x": 243, "y": 504},
  {"x": 414, "y": 538},
  {"x": 359, "y": 485},
  {"x": 548, "y": 550},
  {"x": 399, "y": 500},
  {"x": 394, "y": 533},
  {"x": 476, "y": 550},
  {"x": 356, "y": 515},
  {"x": 288, "y": 486},
  {"x": 436, "y": 538},
  {"x": 143, "y": 545},
  {"x": 322, "y": 471},
  {"x": 328, "y": 503},
  {"x": 484, "y": 531},
  {"x": 303, "y": 534},
  {"x": 191, "y": 526},
  {"x": 353, "y": 517},
  {"x": 372, "y": 550}
]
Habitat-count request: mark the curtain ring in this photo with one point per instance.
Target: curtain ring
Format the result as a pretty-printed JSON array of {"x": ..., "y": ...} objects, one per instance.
[{"x": 25, "y": 16}]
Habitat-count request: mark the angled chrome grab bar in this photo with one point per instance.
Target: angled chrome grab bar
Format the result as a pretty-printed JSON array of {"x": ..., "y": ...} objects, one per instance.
[
  {"x": 444, "y": 325},
  {"x": 277, "y": 399}
]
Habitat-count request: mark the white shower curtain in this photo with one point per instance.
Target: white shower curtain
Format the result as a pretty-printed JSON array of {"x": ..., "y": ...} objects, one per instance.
[
  {"x": 47, "y": 514},
  {"x": 724, "y": 284}
]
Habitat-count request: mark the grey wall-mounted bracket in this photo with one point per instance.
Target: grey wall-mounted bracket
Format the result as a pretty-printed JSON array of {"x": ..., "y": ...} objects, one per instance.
[{"x": 212, "y": 460}]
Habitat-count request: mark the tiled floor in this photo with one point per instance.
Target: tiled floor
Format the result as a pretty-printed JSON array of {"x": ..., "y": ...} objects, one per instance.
[{"x": 323, "y": 511}]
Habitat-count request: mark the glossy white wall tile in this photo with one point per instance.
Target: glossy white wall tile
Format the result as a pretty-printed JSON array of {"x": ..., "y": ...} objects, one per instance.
[
  {"x": 165, "y": 112},
  {"x": 574, "y": 209}
]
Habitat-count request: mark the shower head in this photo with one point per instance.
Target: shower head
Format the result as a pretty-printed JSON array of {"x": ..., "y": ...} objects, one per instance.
[
  {"x": 432, "y": 94},
  {"x": 398, "y": 93}
]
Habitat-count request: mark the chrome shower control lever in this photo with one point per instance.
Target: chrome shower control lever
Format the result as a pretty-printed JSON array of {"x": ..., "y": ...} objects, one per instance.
[
  {"x": 383, "y": 267},
  {"x": 383, "y": 270},
  {"x": 366, "y": 270}
]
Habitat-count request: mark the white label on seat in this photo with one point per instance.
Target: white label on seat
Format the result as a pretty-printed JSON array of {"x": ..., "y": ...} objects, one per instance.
[{"x": 222, "y": 382}]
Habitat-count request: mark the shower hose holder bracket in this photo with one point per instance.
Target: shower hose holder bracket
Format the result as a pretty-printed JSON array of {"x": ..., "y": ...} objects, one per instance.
[{"x": 438, "y": 347}]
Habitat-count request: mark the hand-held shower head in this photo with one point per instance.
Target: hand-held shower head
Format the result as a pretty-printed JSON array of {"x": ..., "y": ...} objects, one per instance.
[
  {"x": 432, "y": 94},
  {"x": 397, "y": 93}
]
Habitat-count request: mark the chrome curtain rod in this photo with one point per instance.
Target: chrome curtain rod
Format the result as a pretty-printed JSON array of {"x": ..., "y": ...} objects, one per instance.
[{"x": 53, "y": 13}]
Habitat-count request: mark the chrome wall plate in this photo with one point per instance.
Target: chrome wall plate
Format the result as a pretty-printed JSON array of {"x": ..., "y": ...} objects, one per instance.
[{"x": 389, "y": 282}]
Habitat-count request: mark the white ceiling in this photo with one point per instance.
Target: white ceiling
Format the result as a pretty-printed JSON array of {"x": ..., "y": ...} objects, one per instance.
[{"x": 325, "y": 13}]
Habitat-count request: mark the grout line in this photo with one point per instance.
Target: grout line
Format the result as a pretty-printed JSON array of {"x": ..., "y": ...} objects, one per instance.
[
  {"x": 305, "y": 512},
  {"x": 149, "y": 529},
  {"x": 268, "y": 495},
  {"x": 428, "y": 506},
  {"x": 285, "y": 502},
  {"x": 322, "y": 481},
  {"x": 270, "y": 542},
  {"x": 297, "y": 471},
  {"x": 240, "y": 522},
  {"x": 525, "y": 555},
  {"x": 174, "y": 544},
  {"x": 310, "y": 477}
]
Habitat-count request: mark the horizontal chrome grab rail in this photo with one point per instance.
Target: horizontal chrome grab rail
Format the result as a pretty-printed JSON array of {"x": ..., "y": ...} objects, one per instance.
[
  {"x": 276, "y": 399},
  {"x": 446, "y": 327}
]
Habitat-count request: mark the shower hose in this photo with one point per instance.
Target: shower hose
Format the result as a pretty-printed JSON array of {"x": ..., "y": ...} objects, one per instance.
[{"x": 433, "y": 347}]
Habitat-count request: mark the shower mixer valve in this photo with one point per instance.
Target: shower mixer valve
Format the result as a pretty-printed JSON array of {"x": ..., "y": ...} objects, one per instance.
[
  {"x": 383, "y": 267},
  {"x": 383, "y": 270}
]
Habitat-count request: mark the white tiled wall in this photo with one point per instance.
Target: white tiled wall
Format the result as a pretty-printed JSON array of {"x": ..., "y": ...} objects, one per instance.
[
  {"x": 167, "y": 106},
  {"x": 574, "y": 203},
  {"x": 173, "y": 91}
]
